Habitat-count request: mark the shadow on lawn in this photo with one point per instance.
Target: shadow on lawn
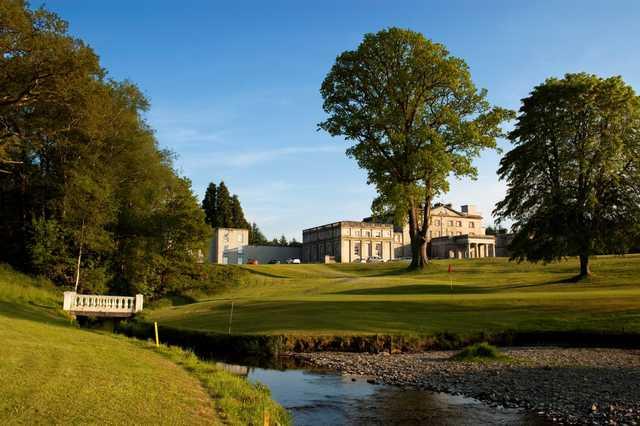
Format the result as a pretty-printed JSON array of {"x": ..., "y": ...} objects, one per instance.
[
  {"x": 32, "y": 312},
  {"x": 420, "y": 289}
]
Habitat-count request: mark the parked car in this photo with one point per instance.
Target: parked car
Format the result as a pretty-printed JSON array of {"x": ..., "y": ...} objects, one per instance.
[
  {"x": 375, "y": 259},
  {"x": 252, "y": 262},
  {"x": 359, "y": 260},
  {"x": 274, "y": 262},
  {"x": 293, "y": 260}
]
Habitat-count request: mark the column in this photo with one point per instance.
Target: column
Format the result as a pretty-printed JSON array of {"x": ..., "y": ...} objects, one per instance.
[{"x": 138, "y": 306}]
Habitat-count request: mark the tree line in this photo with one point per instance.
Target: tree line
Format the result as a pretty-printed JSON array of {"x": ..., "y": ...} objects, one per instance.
[
  {"x": 223, "y": 210},
  {"x": 86, "y": 194}
]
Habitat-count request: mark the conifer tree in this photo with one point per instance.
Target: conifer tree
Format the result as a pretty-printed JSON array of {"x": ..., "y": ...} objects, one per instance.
[
  {"x": 256, "y": 237},
  {"x": 237, "y": 214},
  {"x": 209, "y": 205},
  {"x": 224, "y": 210}
]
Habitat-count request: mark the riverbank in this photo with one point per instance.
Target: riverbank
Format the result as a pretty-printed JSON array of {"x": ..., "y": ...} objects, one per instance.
[{"x": 570, "y": 386}]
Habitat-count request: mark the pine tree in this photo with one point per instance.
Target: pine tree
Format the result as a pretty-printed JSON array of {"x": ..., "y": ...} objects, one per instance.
[
  {"x": 237, "y": 214},
  {"x": 283, "y": 241},
  {"x": 209, "y": 205},
  {"x": 224, "y": 211},
  {"x": 256, "y": 237}
]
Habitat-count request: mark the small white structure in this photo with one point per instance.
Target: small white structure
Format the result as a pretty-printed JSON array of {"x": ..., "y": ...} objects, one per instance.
[{"x": 101, "y": 306}]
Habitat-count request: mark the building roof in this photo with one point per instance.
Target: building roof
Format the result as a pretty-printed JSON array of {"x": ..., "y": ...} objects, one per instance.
[{"x": 349, "y": 223}]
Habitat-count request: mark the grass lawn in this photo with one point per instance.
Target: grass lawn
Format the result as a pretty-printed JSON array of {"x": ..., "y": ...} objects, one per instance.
[
  {"x": 487, "y": 295},
  {"x": 54, "y": 373}
]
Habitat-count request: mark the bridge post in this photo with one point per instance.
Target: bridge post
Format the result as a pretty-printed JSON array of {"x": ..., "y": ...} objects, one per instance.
[
  {"x": 138, "y": 306},
  {"x": 68, "y": 300}
]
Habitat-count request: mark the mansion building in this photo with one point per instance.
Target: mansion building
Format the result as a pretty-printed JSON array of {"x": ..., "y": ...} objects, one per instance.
[{"x": 452, "y": 234}]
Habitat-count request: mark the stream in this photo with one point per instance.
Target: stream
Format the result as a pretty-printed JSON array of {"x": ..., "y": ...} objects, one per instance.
[{"x": 317, "y": 397}]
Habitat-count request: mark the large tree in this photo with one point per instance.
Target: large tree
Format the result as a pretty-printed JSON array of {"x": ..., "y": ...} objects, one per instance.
[
  {"x": 414, "y": 117},
  {"x": 574, "y": 174},
  {"x": 237, "y": 214},
  {"x": 210, "y": 205},
  {"x": 86, "y": 195}
]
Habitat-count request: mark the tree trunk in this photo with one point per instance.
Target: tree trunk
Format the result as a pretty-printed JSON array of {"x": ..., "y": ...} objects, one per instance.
[
  {"x": 418, "y": 234},
  {"x": 585, "y": 270},
  {"x": 413, "y": 234},
  {"x": 79, "y": 256}
]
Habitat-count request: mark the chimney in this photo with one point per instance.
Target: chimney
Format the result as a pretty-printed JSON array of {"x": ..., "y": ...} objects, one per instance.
[{"x": 469, "y": 209}]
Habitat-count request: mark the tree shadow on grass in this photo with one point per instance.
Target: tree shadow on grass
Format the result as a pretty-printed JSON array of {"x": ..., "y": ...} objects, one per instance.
[
  {"x": 419, "y": 289},
  {"x": 32, "y": 312}
]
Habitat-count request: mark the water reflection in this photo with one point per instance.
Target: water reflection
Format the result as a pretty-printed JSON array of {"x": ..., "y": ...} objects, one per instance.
[{"x": 326, "y": 398}]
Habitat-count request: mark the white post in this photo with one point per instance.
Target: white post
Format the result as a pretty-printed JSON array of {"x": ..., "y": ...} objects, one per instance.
[
  {"x": 68, "y": 301},
  {"x": 138, "y": 306}
]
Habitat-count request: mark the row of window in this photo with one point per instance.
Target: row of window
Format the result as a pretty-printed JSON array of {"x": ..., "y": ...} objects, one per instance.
[
  {"x": 376, "y": 233},
  {"x": 458, "y": 223},
  {"x": 377, "y": 250},
  {"x": 436, "y": 234}
]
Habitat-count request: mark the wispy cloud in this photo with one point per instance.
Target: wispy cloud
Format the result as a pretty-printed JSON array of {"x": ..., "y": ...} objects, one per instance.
[{"x": 253, "y": 157}]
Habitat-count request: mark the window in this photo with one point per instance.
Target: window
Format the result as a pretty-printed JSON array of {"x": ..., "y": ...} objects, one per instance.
[
  {"x": 367, "y": 233},
  {"x": 379, "y": 249},
  {"x": 437, "y": 223},
  {"x": 240, "y": 260},
  {"x": 450, "y": 223},
  {"x": 347, "y": 231},
  {"x": 472, "y": 225},
  {"x": 356, "y": 249},
  {"x": 459, "y": 223},
  {"x": 458, "y": 233},
  {"x": 376, "y": 233},
  {"x": 356, "y": 232}
]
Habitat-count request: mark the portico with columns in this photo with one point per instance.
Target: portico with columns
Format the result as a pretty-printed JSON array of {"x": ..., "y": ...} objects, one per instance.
[{"x": 463, "y": 247}]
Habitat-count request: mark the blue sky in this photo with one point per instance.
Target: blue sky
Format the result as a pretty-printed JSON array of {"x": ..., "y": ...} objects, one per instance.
[{"x": 234, "y": 86}]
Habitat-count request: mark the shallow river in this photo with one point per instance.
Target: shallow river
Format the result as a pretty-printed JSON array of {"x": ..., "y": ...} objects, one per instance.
[{"x": 328, "y": 398}]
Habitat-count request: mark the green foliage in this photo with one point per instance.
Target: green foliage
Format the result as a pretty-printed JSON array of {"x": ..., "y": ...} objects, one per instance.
[
  {"x": 478, "y": 352},
  {"x": 415, "y": 118},
  {"x": 209, "y": 205},
  {"x": 83, "y": 178},
  {"x": 574, "y": 174},
  {"x": 222, "y": 210},
  {"x": 256, "y": 237}
]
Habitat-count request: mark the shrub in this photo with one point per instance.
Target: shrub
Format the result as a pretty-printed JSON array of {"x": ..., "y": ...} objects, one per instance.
[{"x": 479, "y": 351}]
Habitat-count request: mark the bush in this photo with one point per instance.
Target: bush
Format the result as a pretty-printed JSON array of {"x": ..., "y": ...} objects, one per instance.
[{"x": 478, "y": 351}]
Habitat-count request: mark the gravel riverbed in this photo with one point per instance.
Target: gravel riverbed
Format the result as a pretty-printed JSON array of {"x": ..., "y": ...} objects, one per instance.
[{"x": 567, "y": 386}]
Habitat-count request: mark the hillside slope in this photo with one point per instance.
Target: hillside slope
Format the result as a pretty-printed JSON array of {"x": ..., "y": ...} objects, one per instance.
[{"x": 52, "y": 372}]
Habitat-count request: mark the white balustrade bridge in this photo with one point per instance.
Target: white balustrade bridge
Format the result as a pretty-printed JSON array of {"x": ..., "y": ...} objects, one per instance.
[{"x": 101, "y": 306}]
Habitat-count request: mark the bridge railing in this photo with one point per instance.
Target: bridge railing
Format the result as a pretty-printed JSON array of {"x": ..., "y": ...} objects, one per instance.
[{"x": 98, "y": 305}]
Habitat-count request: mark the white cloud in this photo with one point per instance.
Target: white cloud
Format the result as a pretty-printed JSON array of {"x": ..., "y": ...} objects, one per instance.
[{"x": 253, "y": 157}]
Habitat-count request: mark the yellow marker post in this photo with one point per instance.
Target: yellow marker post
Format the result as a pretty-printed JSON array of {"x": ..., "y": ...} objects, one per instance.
[{"x": 155, "y": 325}]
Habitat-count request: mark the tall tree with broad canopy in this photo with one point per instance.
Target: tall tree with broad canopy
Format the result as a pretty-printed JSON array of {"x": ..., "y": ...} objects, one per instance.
[
  {"x": 574, "y": 174},
  {"x": 415, "y": 118}
]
